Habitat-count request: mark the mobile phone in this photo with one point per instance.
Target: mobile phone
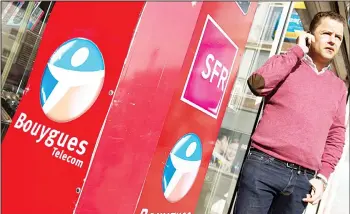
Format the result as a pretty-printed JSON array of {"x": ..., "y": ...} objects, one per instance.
[{"x": 308, "y": 41}]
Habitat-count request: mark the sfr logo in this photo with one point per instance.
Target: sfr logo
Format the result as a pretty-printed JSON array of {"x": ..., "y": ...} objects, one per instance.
[{"x": 210, "y": 70}]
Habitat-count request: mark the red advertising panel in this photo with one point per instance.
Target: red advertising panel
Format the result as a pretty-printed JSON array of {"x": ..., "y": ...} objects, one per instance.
[
  {"x": 180, "y": 161},
  {"x": 47, "y": 150},
  {"x": 150, "y": 76}
]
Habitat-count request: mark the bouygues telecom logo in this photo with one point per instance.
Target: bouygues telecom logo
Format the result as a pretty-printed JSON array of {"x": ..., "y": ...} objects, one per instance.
[
  {"x": 182, "y": 167},
  {"x": 71, "y": 83},
  {"x": 72, "y": 80}
]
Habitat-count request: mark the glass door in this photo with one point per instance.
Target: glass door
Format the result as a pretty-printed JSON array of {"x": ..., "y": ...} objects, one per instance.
[
  {"x": 23, "y": 23},
  {"x": 242, "y": 111}
]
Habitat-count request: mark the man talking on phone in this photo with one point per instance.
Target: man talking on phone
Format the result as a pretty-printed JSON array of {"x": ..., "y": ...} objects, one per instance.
[{"x": 300, "y": 137}]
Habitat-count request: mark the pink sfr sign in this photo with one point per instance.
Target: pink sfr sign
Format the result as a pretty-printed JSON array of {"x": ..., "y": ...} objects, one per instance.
[{"x": 210, "y": 70}]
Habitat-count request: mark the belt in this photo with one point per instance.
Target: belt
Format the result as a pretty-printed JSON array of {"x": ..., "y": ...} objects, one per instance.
[{"x": 287, "y": 164}]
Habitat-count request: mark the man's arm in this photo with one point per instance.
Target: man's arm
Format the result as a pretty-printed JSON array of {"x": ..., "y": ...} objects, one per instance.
[
  {"x": 335, "y": 141},
  {"x": 331, "y": 155},
  {"x": 276, "y": 69}
]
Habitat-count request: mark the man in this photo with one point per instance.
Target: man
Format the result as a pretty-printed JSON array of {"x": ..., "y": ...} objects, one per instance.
[
  {"x": 300, "y": 137},
  {"x": 232, "y": 150},
  {"x": 218, "y": 156}
]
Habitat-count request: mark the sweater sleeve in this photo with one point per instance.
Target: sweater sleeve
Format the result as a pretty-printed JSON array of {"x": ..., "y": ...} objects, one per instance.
[
  {"x": 335, "y": 140},
  {"x": 276, "y": 69}
]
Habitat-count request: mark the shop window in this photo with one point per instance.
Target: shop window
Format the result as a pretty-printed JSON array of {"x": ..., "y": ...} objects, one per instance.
[
  {"x": 241, "y": 113},
  {"x": 23, "y": 23}
]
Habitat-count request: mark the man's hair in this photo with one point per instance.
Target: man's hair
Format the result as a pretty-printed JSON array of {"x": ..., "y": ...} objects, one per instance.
[
  {"x": 221, "y": 136},
  {"x": 316, "y": 21}
]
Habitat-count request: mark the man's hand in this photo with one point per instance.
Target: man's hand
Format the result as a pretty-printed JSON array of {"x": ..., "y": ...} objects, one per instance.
[
  {"x": 316, "y": 192},
  {"x": 301, "y": 41}
]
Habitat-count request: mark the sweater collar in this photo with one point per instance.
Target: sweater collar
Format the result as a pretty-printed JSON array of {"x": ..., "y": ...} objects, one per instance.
[{"x": 308, "y": 60}]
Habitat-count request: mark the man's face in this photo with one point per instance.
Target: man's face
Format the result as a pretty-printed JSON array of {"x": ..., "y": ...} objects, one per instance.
[
  {"x": 224, "y": 144},
  {"x": 231, "y": 151},
  {"x": 221, "y": 145},
  {"x": 328, "y": 38}
]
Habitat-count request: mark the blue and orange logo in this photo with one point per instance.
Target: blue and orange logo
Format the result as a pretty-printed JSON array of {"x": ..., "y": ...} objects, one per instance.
[
  {"x": 72, "y": 80},
  {"x": 182, "y": 167}
]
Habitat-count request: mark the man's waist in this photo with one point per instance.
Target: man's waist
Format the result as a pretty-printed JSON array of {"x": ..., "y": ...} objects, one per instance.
[
  {"x": 295, "y": 148},
  {"x": 286, "y": 164}
]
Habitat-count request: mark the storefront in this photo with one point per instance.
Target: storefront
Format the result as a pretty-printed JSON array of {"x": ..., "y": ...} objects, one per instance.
[{"x": 274, "y": 29}]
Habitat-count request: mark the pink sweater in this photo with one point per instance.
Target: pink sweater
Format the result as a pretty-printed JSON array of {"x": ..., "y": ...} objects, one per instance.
[{"x": 304, "y": 117}]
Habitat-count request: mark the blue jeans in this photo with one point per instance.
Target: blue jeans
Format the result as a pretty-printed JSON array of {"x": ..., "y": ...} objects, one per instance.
[{"x": 268, "y": 186}]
